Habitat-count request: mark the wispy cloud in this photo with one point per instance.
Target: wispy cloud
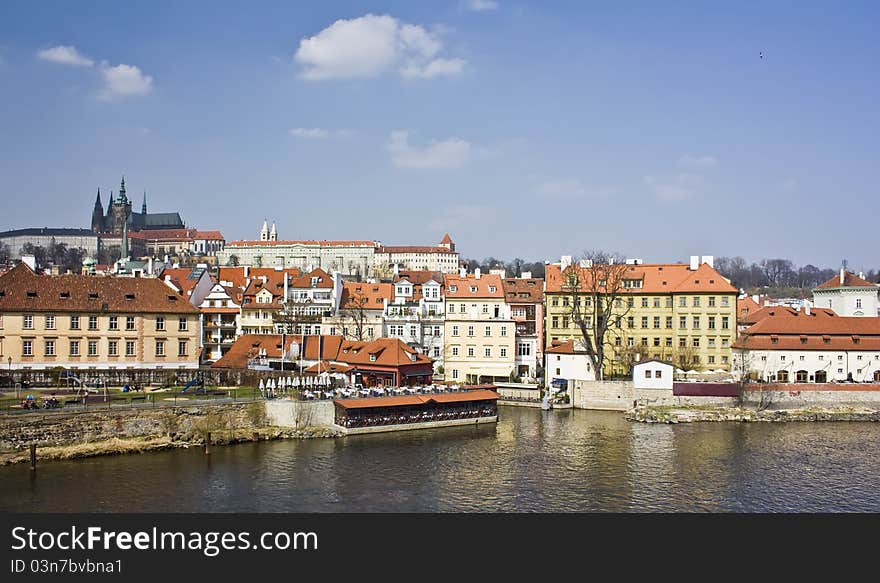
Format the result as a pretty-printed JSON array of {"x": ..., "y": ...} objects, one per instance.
[
  {"x": 318, "y": 133},
  {"x": 675, "y": 189},
  {"x": 698, "y": 161},
  {"x": 65, "y": 55},
  {"x": 571, "y": 189},
  {"x": 445, "y": 154},
  {"x": 480, "y": 5},
  {"x": 124, "y": 81},
  {"x": 372, "y": 45}
]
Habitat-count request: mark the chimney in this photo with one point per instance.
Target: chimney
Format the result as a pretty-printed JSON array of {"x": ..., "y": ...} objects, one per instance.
[
  {"x": 285, "y": 286},
  {"x": 695, "y": 262},
  {"x": 30, "y": 261},
  {"x": 462, "y": 272},
  {"x": 862, "y": 274},
  {"x": 396, "y": 270},
  {"x": 807, "y": 308},
  {"x": 525, "y": 275},
  {"x": 477, "y": 273},
  {"x": 564, "y": 262},
  {"x": 247, "y": 268},
  {"x": 842, "y": 276},
  {"x": 710, "y": 259}
]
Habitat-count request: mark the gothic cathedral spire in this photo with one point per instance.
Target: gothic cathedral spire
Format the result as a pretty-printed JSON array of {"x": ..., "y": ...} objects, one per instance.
[
  {"x": 98, "y": 214},
  {"x": 122, "y": 197},
  {"x": 144, "y": 206}
]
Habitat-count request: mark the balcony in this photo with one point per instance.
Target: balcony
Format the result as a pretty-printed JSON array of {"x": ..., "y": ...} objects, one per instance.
[{"x": 526, "y": 329}]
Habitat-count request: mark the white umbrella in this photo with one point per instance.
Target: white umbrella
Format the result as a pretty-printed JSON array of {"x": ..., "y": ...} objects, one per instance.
[
  {"x": 289, "y": 382},
  {"x": 262, "y": 386}
]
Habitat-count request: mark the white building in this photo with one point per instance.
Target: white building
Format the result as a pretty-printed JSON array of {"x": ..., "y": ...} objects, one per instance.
[
  {"x": 807, "y": 348},
  {"x": 848, "y": 295},
  {"x": 652, "y": 374},
  {"x": 443, "y": 258},
  {"x": 563, "y": 362},
  {"x": 416, "y": 313}
]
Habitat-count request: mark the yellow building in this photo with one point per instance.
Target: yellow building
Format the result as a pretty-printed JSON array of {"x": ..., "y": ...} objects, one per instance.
[
  {"x": 479, "y": 332},
  {"x": 88, "y": 322},
  {"x": 681, "y": 313}
]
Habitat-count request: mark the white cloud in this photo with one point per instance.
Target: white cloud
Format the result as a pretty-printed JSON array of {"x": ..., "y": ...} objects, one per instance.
[
  {"x": 480, "y": 5},
  {"x": 65, "y": 55},
  {"x": 676, "y": 189},
  {"x": 124, "y": 81},
  {"x": 451, "y": 153},
  {"x": 457, "y": 216},
  {"x": 698, "y": 161},
  {"x": 370, "y": 46},
  {"x": 318, "y": 133}
]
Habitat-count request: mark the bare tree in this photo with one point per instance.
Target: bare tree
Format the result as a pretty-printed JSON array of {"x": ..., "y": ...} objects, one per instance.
[
  {"x": 595, "y": 288},
  {"x": 354, "y": 313}
]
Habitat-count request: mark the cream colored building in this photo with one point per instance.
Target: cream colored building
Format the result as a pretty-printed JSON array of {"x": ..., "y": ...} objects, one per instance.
[
  {"x": 443, "y": 258},
  {"x": 89, "y": 322},
  {"x": 479, "y": 334}
]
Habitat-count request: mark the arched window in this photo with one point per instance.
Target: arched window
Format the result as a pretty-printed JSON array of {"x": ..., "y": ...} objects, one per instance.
[
  {"x": 782, "y": 376},
  {"x": 821, "y": 376},
  {"x": 801, "y": 376}
]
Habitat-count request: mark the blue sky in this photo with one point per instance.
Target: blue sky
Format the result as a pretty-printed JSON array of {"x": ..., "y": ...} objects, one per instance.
[{"x": 523, "y": 129}]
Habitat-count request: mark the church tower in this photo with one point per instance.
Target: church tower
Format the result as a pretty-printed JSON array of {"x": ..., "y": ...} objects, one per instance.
[
  {"x": 98, "y": 215},
  {"x": 273, "y": 236},
  {"x": 264, "y": 232}
]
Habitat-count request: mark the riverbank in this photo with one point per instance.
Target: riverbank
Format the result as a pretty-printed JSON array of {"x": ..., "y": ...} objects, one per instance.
[
  {"x": 694, "y": 414},
  {"x": 131, "y": 445}
]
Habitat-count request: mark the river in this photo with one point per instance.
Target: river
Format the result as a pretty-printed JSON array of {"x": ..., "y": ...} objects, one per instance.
[{"x": 530, "y": 461}]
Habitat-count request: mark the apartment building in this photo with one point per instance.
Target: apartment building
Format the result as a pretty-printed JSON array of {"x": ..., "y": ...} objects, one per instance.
[
  {"x": 416, "y": 313},
  {"x": 87, "y": 322},
  {"x": 479, "y": 332},
  {"x": 525, "y": 296},
  {"x": 679, "y": 313},
  {"x": 221, "y": 321}
]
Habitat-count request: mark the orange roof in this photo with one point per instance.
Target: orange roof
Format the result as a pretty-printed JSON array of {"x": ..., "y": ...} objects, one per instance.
[
  {"x": 370, "y": 296},
  {"x": 564, "y": 347},
  {"x": 416, "y": 400},
  {"x": 304, "y": 242},
  {"x": 387, "y": 352},
  {"x": 209, "y": 235},
  {"x": 418, "y": 277},
  {"x": 800, "y": 324},
  {"x": 325, "y": 366},
  {"x": 325, "y": 281},
  {"x": 235, "y": 275},
  {"x": 745, "y": 307},
  {"x": 446, "y": 240},
  {"x": 247, "y": 346},
  {"x": 180, "y": 277},
  {"x": 849, "y": 280},
  {"x": 458, "y": 287},
  {"x": 655, "y": 278},
  {"x": 526, "y": 291},
  {"x": 168, "y": 234},
  {"x": 25, "y": 291},
  {"x": 784, "y": 311}
]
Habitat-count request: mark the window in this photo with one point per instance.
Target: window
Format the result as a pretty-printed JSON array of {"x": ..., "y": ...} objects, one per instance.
[
  {"x": 644, "y": 321},
  {"x": 696, "y": 301},
  {"x": 451, "y": 307},
  {"x": 682, "y": 322},
  {"x": 436, "y": 352},
  {"x": 488, "y": 330},
  {"x": 181, "y": 325},
  {"x": 113, "y": 348},
  {"x": 455, "y": 351},
  {"x": 669, "y": 321},
  {"x": 504, "y": 330},
  {"x": 470, "y": 351},
  {"x": 50, "y": 322},
  {"x": 470, "y": 330},
  {"x": 557, "y": 371},
  {"x": 696, "y": 322},
  {"x": 630, "y": 302},
  {"x": 93, "y": 322},
  {"x": 28, "y": 322},
  {"x": 413, "y": 331},
  {"x": 644, "y": 302},
  {"x": 181, "y": 348},
  {"x": 682, "y": 302},
  {"x": 461, "y": 309},
  {"x": 656, "y": 321},
  {"x": 858, "y": 302},
  {"x": 696, "y": 342},
  {"x": 50, "y": 347},
  {"x": 682, "y": 342},
  {"x": 711, "y": 360},
  {"x": 488, "y": 352},
  {"x": 711, "y": 301},
  {"x": 724, "y": 323},
  {"x": 455, "y": 373},
  {"x": 565, "y": 321},
  {"x": 93, "y": 348},
  {"x": 503, "y": 353},
  {"x": 725, "y": 302},
  {"x": 669, "y": 301},
  {"x": 524, "y": 349},
  {"x": 644, "y": 341},
  {"x": 711, "y": 343},
  {"x": 658, "y": 374},
  {"x": 630, "y": 342},
  {"x": 668, "y": 341},
  {"x": 114, "y": 323},
  {"x": 485, "y": 308},
  {"x": 129, "y": 322},
  {"x": 647, "y": 374},
  {"x": 492, "y": 289},
  {"x": 27, "y": 347},
  {"x": 160, "y": 348},
  {"x": 74, "y": 322},
  {"x": 455, "y": 330},
  {"x": 554, "y": 302},
  {"x": 656, "y": 341},
  {"x": 74, "y": 348},
  {"x": 630, "y": 322},
  {"x": 711, "y": 322},
  {"x": 725, "y": 343},
  {"x": 129, "y": 348}
]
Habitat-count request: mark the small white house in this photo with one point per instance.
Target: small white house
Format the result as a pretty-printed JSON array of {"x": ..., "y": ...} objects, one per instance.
[
  {"x": 564, "y": 362},
  {"x": 652, "y": 374}
]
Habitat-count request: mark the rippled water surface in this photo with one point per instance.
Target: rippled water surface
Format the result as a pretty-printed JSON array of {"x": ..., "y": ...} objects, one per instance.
[{"x": 531, "y": 461}]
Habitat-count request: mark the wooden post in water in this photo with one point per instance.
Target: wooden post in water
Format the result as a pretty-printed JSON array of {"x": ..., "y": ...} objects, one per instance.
[
  {"x": 33, "y": 457},
  {"x": 207, "y": 443}
]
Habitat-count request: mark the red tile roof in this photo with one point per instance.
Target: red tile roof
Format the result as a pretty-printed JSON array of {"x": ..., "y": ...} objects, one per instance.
[
  {"x": 564, "y": 347},
  {"x": 305, "y": 281},
  {"x": 209, "y": 235},
  {"x": 235, "y": 275},
  {"x": 369, "y": 296},
  {"x": 418, "y": 277},
  {"x": 22, "y": 290},
  {"x": 325, "y": 366},
  {"x": 458, "y": 287},
  {"x": 514, "y": 288},
  {"x": 745, "y": 307},
  {"x": 849, "y": 280},
  {"x": 784, "y": 311},
  {"x": 248, "y": 346},
  {"x": 656, "y": 278},
  {"x": 168, "y": 234},
  {"x": 446, "y": 240},
  {"x": 387, "y": 351}
]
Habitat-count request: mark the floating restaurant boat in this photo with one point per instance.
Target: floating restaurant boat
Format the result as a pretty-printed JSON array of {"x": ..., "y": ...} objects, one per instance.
[{"x": 416, "y": 411}]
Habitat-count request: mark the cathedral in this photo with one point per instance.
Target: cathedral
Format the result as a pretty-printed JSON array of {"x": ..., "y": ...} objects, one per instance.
[{"x": 120, "y": 219}]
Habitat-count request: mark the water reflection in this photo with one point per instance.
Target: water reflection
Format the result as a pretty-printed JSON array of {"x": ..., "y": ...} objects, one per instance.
[{"x": 531, "y": 461}]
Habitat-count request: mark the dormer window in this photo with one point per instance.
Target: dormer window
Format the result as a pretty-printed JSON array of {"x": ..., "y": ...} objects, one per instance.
[
  {"x": 129, "y": 297},
  {"x": 473, "y": 289},
  {"x": 372, "y": 358},
  {"x": 65, "y": 295},
  {"x": 492, "y": 289},
  {"x": 774, "y": 340},
  {"x": 453, "y": 288},
  {"x": 32, "y": 294}
]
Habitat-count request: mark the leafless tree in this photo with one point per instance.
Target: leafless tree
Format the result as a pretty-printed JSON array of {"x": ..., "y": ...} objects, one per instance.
[
  {"x": 595, "y": 290},
  {"x": 354, "y": 314}
]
